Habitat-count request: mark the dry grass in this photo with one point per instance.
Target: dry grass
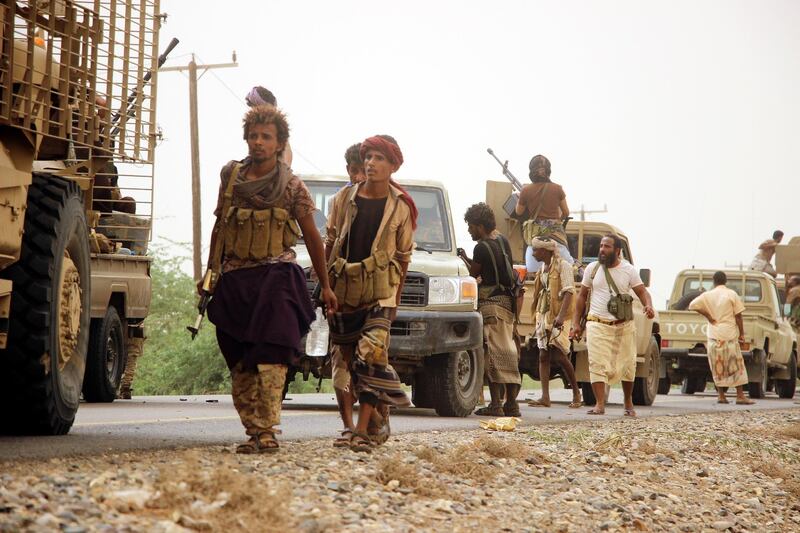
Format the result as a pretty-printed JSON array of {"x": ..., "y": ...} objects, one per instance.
[
  {"x": 792, "y": 431},
  {"x": 409, "y": 476},
  {"x": 229, "y": 499},
  {"x": 776, "y": 470}
]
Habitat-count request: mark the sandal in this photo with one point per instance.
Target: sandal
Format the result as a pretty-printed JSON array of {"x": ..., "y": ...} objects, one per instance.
[
  {"x": 575, "y": 404},
  {"x": 344, "y": 440},
  {"x": 593, "y": 412},
  {"x": 360, "y": 442},
  {"x": 512, "y": 410},
  {"x": 630, "y": 413},
  {"x": 744, "y": 401},
  {"x": 490, "y": 410},
  {"x": 722, "y": 400},
  {"x": 263, "y": 443},
  {"x": 538, "y": 403}
]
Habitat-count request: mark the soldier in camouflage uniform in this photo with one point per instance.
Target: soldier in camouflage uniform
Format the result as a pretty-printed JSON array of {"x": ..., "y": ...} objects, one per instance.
[{"x": 260, "y": 304}]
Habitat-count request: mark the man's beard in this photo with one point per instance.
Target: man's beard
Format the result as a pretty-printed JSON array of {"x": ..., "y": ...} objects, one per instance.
[{"x": 608, "y": 259}]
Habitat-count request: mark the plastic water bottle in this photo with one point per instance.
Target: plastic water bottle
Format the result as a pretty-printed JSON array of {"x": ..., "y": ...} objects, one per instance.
[{"x": 317, "y": 338}]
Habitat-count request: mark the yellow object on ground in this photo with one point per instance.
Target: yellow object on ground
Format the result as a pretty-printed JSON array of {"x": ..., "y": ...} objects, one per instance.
[{"x": 508, "y": 423}]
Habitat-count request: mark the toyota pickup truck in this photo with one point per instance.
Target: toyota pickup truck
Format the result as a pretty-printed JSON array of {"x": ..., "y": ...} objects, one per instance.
[
  {"x": 584, "y": 244},
  {"x": 770, "y": 349},
  {"x": 436, "y": 341}
]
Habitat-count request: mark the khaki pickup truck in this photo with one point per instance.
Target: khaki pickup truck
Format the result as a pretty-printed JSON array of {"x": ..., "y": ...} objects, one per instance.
[
  {"x": 584, "y": 245},
  {"x": 437, "y": 338},
  {"x": 770, "y": 351}
]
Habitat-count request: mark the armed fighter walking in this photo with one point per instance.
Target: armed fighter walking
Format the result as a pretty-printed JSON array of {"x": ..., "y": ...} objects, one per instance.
[
  {"x": 260, "y": 303},
  {"x": 370, "y": 238}
]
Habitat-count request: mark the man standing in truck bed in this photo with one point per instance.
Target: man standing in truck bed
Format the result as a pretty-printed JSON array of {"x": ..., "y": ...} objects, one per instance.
[
  {"x": 723, "y": 309},
  {"x": 610, "y": 331},
  {"x": 260, "y": 305}
]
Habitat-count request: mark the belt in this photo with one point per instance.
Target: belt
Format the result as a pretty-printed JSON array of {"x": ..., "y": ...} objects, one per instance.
[{"x": 592, "y": 318}]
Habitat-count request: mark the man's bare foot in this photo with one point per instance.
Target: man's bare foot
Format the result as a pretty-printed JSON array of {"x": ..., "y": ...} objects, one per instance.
[
  {"x": 596, "y": 411},
  {"x": 629, "y": 411},
  {"x": 744, "y": 401},
  {"x": 576, "y": 403},
  {"x": 541, "y": 402},
  {"x": 722, "y": 399}
]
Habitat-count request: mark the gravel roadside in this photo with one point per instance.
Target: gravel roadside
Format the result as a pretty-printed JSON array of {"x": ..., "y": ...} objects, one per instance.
[{"x": 736, "y": 471}]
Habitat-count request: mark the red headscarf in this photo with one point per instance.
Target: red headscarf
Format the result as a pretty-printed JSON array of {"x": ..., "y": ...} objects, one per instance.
[{"x": 395, "y": 156}]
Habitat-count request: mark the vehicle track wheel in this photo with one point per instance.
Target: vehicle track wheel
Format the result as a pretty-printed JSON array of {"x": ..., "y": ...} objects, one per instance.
[
  {"x": 42, "y": 368},
  {"x": 105, "y": 361}
]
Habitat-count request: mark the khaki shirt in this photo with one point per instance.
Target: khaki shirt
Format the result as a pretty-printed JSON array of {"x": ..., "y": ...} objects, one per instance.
[
  {"x": 723, "y": 304},
  {"x": 399, "y": 241}
]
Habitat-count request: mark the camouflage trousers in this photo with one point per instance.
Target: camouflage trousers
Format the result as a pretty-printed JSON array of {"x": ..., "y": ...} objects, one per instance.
[
  {"x": 134, "y": 347},
  {"x": 257, "y": 396}
]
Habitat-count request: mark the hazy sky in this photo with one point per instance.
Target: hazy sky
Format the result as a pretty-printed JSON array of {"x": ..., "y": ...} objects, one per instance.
[{"x": 681, "y": 116}]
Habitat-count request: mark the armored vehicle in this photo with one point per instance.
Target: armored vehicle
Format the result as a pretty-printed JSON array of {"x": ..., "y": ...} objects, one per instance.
[
  {"x": 78, "y": 130},
  {"x": 437, "y": 338},
  {"x": 584, "y": 245}
]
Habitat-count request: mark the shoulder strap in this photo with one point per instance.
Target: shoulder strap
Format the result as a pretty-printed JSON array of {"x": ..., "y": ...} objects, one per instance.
[
  {"x": 494, "y": 264},
  {"x": 541, "y": 201},
  {"x": 227, "y": 200},
  {"x": 610, "y": 280}
]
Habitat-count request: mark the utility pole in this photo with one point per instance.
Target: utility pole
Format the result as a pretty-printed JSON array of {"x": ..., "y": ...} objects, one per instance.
[
  {"x": 194, "y": 133},
  {"x": 583, "y": 211}
]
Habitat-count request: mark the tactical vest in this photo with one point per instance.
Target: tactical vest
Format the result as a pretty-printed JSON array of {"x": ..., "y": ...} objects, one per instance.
[
  {"x": 545, "y": 298},
  {"x": 363, "y": 283},
  {"x": 255, "y": 234}
]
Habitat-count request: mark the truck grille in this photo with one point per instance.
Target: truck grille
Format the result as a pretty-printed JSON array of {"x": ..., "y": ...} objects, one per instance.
[
  {"x": 415, "y": 290},
  {"x": 404, "y": 328}
]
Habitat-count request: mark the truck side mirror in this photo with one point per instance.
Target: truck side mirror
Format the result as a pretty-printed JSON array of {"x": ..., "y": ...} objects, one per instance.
[{"x": 644, "y": 273}]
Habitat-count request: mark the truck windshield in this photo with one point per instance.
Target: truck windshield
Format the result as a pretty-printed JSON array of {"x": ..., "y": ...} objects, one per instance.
[
  {"x": 433, "y": 225},
  {"x": 751, "y": 293}
]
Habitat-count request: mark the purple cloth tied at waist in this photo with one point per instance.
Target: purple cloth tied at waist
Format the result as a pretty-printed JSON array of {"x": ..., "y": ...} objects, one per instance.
[{"x": 263, "y": 311}]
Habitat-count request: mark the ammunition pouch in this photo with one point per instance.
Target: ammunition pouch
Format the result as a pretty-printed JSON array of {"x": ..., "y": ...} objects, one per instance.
[
  {"x": 621, "y": 306},
  {"x": 356, "y": 284},
  {"x": 531, "y": 229},
  {"x": 258, "y": 233}
]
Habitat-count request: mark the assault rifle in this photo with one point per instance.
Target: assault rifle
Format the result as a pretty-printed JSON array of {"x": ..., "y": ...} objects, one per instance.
[{"x": 205, "y": 297}]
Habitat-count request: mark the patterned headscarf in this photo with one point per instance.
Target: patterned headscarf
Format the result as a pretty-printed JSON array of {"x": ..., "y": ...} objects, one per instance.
[
  {"x": 545, "y": 244},
  {"x": 539, "y": 169}
]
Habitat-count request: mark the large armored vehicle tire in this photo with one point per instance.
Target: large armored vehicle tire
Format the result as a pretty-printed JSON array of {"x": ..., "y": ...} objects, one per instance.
[
  {"x": 786, "y": 387},
  {"x": 588, "y": 393},
  {"x": 757, "y": 389},
  {"x": 645, "y": 388},
  {"x": 692, "y": 384},
  {"x": 106, "y": 358},
  {"x": 41, "y": 371},
  {"x": 457, "y": 382}
]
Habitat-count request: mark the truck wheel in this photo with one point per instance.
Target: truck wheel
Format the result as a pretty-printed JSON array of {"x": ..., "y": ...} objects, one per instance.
[
  {"x": 786, "y": 387},
  {"x": 692, "y": 384},
  {"x": 645, "y": 388},
  {"x": 457, "y": 379},
  {"x": 41, "y": 371},
  {"x": 422, "y": 390},
  {"x": 106, "y": 358},
  {"x": 588, "y": 393},
  {"x": 757, "y": 389},
  {"x": 664, "y": 385}
]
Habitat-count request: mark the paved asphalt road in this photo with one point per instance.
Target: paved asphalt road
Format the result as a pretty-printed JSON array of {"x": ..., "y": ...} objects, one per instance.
[{"x": 153, "y": 422}]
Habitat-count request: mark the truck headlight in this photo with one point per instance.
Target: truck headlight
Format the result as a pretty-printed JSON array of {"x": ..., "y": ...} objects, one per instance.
[{"x": 452, "y": 290}]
